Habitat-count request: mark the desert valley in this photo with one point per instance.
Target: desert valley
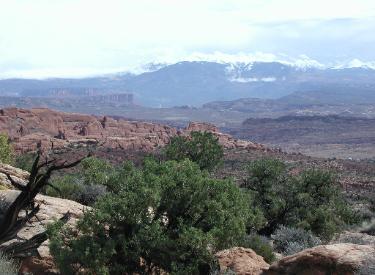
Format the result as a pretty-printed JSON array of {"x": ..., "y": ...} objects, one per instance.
[{"x": 209, "y": 137}]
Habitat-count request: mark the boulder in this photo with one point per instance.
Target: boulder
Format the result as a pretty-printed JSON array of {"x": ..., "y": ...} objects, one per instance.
[
  {"x": 334, "y": 259},
  {"x": 243, "y": 261}
]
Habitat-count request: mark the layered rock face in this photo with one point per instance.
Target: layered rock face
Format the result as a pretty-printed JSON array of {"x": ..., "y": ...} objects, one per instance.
[{"x": 29, "y": 129}]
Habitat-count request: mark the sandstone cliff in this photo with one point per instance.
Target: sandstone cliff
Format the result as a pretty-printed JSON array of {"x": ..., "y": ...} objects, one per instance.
[{"x": 46, "y": 128}]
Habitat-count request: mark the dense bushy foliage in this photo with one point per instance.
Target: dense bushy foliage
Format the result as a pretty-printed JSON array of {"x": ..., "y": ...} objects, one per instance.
[
  {"x": 25, "y": 161},
  {"x": 322, "y": 209},
  {"x": 96, "y": 171},
  {"x": 7, "y": 266},
  {"x": 261, "y": 246},
  {"x": 65, "y": 187},
  {"x": 200, "y": 147},
  {"x": 167, "y": 216},
  {"x": 86, "y": 186},
  {"x": 311, "y": 200},
  {"x": 6, "y": 151},
  {"x": 273, "y": 193},
  {"x": 89, "y": 194},
  {"x": 289, "y": 240}
]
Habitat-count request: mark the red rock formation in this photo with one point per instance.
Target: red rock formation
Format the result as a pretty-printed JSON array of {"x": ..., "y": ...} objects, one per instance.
[{"x": 28, "y": 128}]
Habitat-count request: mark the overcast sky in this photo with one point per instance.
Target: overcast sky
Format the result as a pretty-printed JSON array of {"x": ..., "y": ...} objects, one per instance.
[{"x": 40, "y": 38}]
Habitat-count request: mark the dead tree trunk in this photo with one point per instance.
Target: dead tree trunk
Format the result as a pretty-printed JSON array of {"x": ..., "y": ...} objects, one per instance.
[{"x": 11, "y": 222}]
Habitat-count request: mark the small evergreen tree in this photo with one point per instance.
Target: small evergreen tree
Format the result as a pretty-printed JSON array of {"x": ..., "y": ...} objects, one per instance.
[
  {"x": 167, "y": 216},
  {"x": 312, "y": 200},
  {"x": 273, "y": 192},
  {"x": 6, "y": 151},
  {"x": 200, "y": 147},
  {"x": 322, "y": 209}
]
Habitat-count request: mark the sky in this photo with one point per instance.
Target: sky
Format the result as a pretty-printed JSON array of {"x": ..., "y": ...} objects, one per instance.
[{"x": 60, "y": 38}]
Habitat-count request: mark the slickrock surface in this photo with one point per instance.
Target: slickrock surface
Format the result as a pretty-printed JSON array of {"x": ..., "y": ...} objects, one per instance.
[
  {"x": 242, "y": 261},
  {"x": 46, "y": 128},
  {"x": 18, "y": 175},
  {"x": 50, "y": 210},
  {"x": 335, "y": 259}
]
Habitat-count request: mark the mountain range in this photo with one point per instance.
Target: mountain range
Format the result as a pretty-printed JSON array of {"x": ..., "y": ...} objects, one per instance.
[{"x": 199, "y": 82}]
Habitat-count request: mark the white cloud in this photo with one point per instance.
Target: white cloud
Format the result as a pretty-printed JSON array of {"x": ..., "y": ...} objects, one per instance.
[{"x": 58, "y": 37}]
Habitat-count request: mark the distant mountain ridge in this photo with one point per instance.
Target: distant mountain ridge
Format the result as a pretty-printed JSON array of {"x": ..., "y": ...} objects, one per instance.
[{"x": 198, "y": 82}]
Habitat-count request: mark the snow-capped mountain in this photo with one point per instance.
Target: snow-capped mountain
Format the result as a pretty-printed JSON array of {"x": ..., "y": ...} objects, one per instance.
[
  {"x": 355, "y": 63},
  {"x": 195, "y": 82}
]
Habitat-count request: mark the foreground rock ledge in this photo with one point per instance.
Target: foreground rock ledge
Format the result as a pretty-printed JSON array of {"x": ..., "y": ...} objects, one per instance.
[
  {"x": 50, "y": 209},
  {"x": 336, "y": 259},
  {"x": 243, "y": 261},
  {"x": 18, "y": 175}
]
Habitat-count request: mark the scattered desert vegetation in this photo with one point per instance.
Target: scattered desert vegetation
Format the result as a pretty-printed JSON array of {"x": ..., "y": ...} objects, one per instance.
[
  {"x": 174, "y": 212},
  {"x": 171, "y": 211}
]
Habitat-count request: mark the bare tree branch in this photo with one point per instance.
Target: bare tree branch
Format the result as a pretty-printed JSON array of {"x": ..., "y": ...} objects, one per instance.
[
  {"x": 23, "y": 249},
  {"x": 15, "y": 184},
  {"x": 11, "y": 223}
]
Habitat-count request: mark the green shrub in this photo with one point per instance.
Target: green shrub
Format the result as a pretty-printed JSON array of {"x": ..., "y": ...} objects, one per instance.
[
  {"x": 65, "y": 187},
  {"x": 85, "y": 186},
  {"x": 89, "y": 194},
  {"x": 6, "y": 150},
  {"x": 71, "y": 187},
  {"x": 201, "y": 147},
  {"x": 96, "y": 171},
  {"x": 260, "y": 245},
  {"x": 8, "y": 266},
  {"x": 273, "y": 193},
  {"x": 322, "y": 208},
  {"x": 25, "y": 161},
  {"x": 171, "y": 215},
  {"x": 289, "y": 240},
  {"x": 312, "y": 200}
]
